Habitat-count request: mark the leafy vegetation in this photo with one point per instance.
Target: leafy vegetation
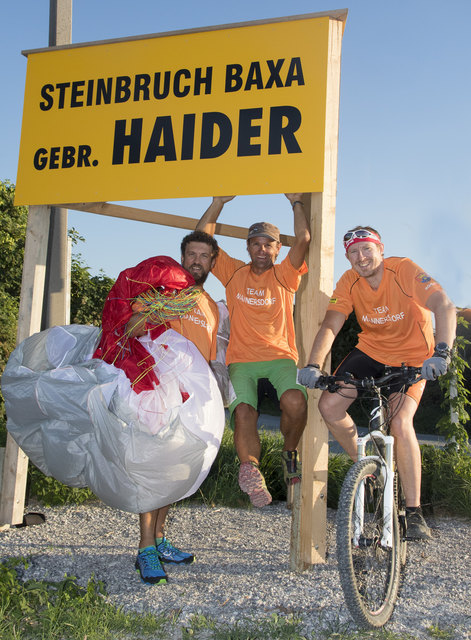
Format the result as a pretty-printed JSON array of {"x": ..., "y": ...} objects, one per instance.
[
  {"x": 456, "y": 396},
  {"x": 12, "y": 239},
  {"x": 88, "y": 293},
  {"x": 446, "y": 480},
  {"x": 57, "y": 610},
  {"x": 50, "y": 492}
]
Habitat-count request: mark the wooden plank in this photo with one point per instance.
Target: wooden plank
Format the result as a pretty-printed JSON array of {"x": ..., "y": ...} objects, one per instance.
[
  {"x": 308, "y": 540},
  {"x": 336, "y": 14},
  {"x": 15, "y": 464},
  {"x": 166, "y": 219}
]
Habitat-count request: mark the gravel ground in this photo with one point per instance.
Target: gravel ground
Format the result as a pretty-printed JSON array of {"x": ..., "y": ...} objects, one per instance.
[{"x": 242, "y": 567}]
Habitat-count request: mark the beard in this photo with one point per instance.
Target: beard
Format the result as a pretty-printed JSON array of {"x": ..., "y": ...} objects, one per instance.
[
  {"x": 201, "y": 280},
  {"x": 200, "y": 277}
]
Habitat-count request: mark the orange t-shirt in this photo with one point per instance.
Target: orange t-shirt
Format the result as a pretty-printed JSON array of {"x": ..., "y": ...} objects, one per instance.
[
  {"x": 260, "y": 309},
  {"x": 396, "y": 325},
  {"x": 200, "y": 326}
]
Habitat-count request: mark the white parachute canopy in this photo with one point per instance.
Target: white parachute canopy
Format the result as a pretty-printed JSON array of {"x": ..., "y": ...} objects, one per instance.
[{"x": 79, "y": 420}]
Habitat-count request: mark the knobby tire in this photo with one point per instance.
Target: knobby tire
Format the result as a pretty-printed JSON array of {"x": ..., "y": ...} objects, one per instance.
[
  {"x": 369, "y": 573},
  {"x": 400, "y": 500}
]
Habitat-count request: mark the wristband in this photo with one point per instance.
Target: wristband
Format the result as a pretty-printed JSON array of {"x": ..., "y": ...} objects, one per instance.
[
  {"x": 297, "y": 202},
  {"x": 316, "y": 366}
]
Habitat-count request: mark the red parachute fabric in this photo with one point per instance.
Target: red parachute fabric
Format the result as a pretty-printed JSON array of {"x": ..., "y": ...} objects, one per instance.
[{"x": 116, "y": 347}]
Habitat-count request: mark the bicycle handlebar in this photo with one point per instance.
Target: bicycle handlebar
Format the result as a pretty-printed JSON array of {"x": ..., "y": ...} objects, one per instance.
[{"x": 406, "y": 375}]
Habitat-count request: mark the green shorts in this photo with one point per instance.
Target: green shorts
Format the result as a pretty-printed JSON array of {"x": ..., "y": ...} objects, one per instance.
[{"x": 245, "y": 376}]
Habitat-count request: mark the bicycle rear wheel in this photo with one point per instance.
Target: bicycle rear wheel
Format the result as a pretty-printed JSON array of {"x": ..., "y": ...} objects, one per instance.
[{"x": 369, "y": 572}]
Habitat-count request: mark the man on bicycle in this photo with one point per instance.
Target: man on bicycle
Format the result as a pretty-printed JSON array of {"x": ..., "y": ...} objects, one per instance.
[{"x": 393, "y": 300}]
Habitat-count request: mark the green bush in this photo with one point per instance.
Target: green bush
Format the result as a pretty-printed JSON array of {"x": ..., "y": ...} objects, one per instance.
[
  {"x": 50, "y": 492},
  {"x": 446, "y": 479}
]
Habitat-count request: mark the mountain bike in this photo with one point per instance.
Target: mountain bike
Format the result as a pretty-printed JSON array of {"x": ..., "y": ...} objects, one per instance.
[{"x": 371, "y": 523}]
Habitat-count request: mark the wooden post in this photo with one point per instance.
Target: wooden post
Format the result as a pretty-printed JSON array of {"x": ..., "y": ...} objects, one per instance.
[
  {"x": 309, "y": 527},
  {"x": 60, "y": 22},
  {"x": 15, "y": 465},
  {"x": 57, "y": 274}
]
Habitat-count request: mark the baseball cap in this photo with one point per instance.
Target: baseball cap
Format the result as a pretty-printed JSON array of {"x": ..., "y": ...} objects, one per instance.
[{"x": 264, "y": 229}]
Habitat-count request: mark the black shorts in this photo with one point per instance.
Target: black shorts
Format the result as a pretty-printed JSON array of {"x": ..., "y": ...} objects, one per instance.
[{"x": 362, "y": 366}]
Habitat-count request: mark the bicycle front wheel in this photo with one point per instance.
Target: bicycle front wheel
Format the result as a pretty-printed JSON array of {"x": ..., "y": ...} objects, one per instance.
[{"x": 369, "y": 572}]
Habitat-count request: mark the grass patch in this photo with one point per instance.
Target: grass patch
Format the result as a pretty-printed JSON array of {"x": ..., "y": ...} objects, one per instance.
[
  {"x": 435, "y": 631},
  {"x": 65, "y": 610},
  {"x": 274, "y": 627}
]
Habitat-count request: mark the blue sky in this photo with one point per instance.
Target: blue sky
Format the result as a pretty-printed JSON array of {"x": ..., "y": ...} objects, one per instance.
[{"x": 405, "y": 135}]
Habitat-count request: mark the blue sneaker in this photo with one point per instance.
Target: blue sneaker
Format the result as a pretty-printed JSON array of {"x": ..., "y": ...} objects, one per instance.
[
  {"x": 149, "y": 567},
  {"x": 169, "y": 553}
]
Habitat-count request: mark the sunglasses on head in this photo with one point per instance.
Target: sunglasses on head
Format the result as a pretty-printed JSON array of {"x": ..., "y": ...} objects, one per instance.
[{"x": 361, "y": 234}]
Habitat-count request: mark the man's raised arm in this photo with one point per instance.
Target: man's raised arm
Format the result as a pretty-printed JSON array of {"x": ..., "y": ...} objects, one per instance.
[
  {"x": 208, "y": 220},
  {"x": 302, "y": 236}
]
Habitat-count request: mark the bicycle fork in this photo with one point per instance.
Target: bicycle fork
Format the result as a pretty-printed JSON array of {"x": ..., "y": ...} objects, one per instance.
[{"x": 387, "y": 474}]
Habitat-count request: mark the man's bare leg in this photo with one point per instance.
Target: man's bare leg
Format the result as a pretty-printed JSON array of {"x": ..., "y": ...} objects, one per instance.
[
  {"x": 151, "y": 526},
  {"x": 246, "y": 438},
  {"x": 148, "y": 562},
  {"x": 160, "y": 522},
  {"x": 293, "y": 417},
  {"x": 409, "y": 463},
  {"x": 293, "y": 407},
  {"x": 408, "y": 458},
  {"x": 147, "y": 523},
  {"x": 247, "y": 444},
  {"x": 333, "y": 408}
]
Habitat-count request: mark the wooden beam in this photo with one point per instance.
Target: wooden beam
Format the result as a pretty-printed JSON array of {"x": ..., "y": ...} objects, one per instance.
[
  {"x": 308, "y": 538},
  {"x": 15, "y": 465},
  {"x": 166, "y": 219},
  {"x": 336, "y": 14}
]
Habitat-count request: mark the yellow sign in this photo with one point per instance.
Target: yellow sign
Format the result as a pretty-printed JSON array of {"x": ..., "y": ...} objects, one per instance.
[{"x": 226, "y": 111}]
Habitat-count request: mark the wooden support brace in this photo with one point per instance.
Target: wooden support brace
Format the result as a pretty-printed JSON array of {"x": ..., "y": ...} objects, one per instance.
[
  {"x": 166, "y": 219},
  {"x": 15, "y": 465}
]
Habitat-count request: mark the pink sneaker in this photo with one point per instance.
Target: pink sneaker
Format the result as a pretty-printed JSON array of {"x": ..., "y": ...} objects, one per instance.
[{"x": 252, "y": 482}]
